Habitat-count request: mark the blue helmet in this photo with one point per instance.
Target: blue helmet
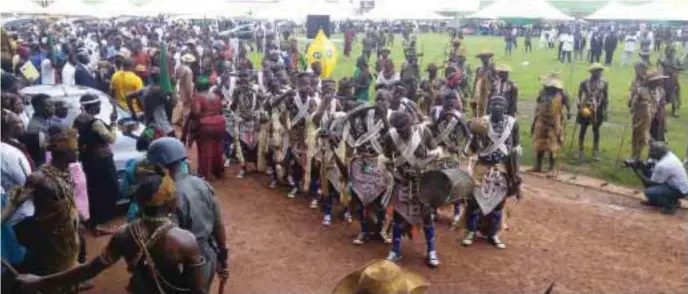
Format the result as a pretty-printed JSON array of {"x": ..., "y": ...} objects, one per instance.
[{"x": 166, "y": 151}]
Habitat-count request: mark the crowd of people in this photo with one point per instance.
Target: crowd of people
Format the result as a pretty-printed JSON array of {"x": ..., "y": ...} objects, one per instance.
[{"x": 323, "y": 139}]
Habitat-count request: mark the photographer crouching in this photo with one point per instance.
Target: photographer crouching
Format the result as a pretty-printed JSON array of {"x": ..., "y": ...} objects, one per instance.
[{"x": 663, "y": 176}]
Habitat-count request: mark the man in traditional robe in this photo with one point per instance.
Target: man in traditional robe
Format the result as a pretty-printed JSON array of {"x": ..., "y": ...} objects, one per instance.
[
  {"x": 593, "y": 102},
  {"x": 547, "y": 129}
]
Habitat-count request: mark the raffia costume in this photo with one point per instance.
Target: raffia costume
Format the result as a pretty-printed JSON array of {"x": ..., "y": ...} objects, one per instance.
[
  {"x": 481, "y": 88},
  {"x": 548, "y": 133},
  {"x": 643, "y": 104},
  {"x": 250, "y": 128},
  {"x": 301, "y": 133},
  {"x": 371, "y": 182}
]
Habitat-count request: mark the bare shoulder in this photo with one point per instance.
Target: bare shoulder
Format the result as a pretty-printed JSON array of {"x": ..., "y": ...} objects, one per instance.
[{"x": 182, "y": 237}]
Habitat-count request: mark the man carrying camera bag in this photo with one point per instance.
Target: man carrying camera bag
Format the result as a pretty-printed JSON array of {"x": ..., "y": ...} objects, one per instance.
[{"x": 663, "y": 176}]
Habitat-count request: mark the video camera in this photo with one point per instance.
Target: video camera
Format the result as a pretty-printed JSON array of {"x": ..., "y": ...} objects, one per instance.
[{"x": 639, "y": 164}]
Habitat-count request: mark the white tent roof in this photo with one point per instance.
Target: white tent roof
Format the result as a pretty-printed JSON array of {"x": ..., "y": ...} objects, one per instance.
[
  {"x": 199, "y": 7},
  {"x": 403, "y": 10},
  {"x": 21, "y": 7},
  {"x": 664, "y": 10},
  {"x": 528, "y": 9},
  {"x": 458, "y": 6},
  {"x": 71, "y": 7},
  {"x": 613, "y": 10},
  {"x": 284, "y": 9}
]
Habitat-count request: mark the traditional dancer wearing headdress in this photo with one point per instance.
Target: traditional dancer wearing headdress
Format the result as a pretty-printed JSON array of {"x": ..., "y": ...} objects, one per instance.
[
  {"x": 484, "y": 76},
  {"x": 495, "y": 174},
  {"x": 450, "y": 130},
  {"x": 56, "y": 219},
  {"x": 371, "y": 183},
  {"x": 593, "y": 102},
  {"x": 643, "y": 109},
  {"x": 547, "y": 129},
  {"x": 505, "y": 87},
  {"x": 247, "y": 107},
  {"x": 161, "y": 257},
  {"x": 429, "y": 92},
  {"x": 670, "y": 66},
  {"x": 409, "y": 148}
]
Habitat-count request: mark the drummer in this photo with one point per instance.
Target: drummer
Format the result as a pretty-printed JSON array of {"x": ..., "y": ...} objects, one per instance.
[
  {"x": 495, "y": 173},
  {"x": 410, "y": 147},
  {"x": 451, "y": 132}
]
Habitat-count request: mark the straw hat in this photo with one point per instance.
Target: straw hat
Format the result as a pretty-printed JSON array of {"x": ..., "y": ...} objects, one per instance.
[
  {"x": 503, "y": 68},
  {"x": 381, "y": 277},
  {"x": 486, "y": 53},
  {"x": 188, "y": 57},
  {"x": 383, "y": 49},
  {"x": 595, "y": 66},
  {"x": 552, "y": 80},
  {"x": 654, "y": 75}
]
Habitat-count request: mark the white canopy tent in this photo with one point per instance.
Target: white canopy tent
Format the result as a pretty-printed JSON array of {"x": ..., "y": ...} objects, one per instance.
[
  {"x": 403, "y": 10},
  {"x": 665, "y": 10},
  {"x": 458, "y": 6},
  {"x": 523, "y": 9},
  {"x": 112, "y": 8},
  {"x": 72, "y": 8},
  {"x": 284, "y": 10},
  {"x": 21, "y": 7},
  {"x": 612, "y": 11},
  {"x": 208, "y": 8}
]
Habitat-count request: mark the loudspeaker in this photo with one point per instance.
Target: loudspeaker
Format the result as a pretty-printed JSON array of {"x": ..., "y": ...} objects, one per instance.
[{"x": 314, "y": 23}]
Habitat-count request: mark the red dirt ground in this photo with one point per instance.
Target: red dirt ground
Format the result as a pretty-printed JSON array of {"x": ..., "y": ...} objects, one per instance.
[{"x": 584, "y": 240}]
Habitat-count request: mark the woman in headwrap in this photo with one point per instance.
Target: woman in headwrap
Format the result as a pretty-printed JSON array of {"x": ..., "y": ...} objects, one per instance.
[
  {"x": 207, "y": 129},
  {"x": 161, "y": 257}
]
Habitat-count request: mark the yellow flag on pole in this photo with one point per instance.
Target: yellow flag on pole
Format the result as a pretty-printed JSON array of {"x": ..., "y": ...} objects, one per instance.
[{"x": 323, "y": 50}]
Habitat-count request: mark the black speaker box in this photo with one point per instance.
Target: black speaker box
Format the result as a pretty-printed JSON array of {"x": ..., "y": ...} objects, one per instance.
[{"x": 314, "y": 23}]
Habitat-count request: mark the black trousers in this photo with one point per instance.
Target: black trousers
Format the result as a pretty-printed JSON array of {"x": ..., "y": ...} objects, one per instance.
[
  {"x": 102, "y": 186},
  {"x": 608, "y": 56},
  {"x": 595, "y": 55}
]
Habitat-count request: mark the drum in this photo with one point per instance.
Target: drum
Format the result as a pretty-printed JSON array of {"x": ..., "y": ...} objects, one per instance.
[{"x": 442, "y": 187}]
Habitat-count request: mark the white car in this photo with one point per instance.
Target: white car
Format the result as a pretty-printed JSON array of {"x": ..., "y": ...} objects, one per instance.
[{"x": 124, "y": 147}]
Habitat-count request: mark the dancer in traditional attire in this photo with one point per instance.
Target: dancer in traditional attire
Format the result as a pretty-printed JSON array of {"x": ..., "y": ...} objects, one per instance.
[
  {"x": 450, "y": 130},
  {"x": 495, "y": 174},
  {"x": 670, "y": 66},
  {"x": 484, "y": 75},
  {"x": 593, "y": 102},
  {"x": 409, "y": 147},
  {"x": 301, "y": 133},
  {"x": 371, "y": 182},
  {"x": 643, "y": 109},
  {"x": 247, "y": 107},
  {"x": 429, "y": 92},
  {"x": 332, "y": 155},
  {"x": 653, "y": 92},
  {"x": 207, "y": 128},
  {"x": 505, "y": 87},
  {"x": 547, "y": 129},
  {"x": 52, "y": 235},
  {"x": 161, "y": 257}
]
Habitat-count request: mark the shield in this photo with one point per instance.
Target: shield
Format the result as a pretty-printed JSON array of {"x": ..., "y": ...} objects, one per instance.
[
  {"x": 247, "y": 134},
  {"x": 492, "y": 191},
  {"x": 369, "y": 179},
  {"x": 407, "y": 206}
]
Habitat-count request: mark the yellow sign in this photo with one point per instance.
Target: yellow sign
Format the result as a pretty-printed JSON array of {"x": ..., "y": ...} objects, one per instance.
[{"x": 323, "y": 50}]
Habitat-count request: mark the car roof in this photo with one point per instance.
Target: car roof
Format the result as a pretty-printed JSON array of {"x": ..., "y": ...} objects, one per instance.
[{"x": 57, "y": 91}]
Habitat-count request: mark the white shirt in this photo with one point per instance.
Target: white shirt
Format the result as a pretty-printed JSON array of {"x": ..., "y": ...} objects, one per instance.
[
  {"x": 567, "y": 42},
  {"x": 382, "y": 80},
  {"x": 15, "y": 166},
  {"x": 669, "y": 170},
  {"x": 47, "y": 72},
  {"x": 68, "y": 71},
  {"x": 630, "y": 43}
]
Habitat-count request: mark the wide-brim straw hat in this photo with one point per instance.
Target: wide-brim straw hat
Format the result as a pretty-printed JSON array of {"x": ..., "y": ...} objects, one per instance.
[
  {"x": 655, "y": 76},
  {"x": 503, "y": 68},
  {"x": 188, "y": 57},
  {"x": 486, "y": 53},
  {"x": 595, "y": 66},
  {"x": 552, "y": 80},
  {"x": 381, "y": 277}
]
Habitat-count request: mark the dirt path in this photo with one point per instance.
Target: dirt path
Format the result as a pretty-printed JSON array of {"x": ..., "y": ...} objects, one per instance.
[{"x": 585, "y": 240}]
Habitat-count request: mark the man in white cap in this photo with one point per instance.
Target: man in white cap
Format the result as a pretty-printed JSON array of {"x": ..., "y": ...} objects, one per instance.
[{"x": 184, "y": 76}]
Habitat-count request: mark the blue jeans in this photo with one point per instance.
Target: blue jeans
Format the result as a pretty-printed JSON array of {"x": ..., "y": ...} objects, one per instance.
[{"x": 662, "y": 195}]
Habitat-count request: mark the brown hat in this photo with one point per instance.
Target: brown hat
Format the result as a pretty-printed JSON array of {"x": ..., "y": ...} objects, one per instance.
[
  {"x": 381, "y": 277},
  {"x": 595, "y": 66},
  {"x": 486, "y": 53},
  {"x": 552, "y": 80}
]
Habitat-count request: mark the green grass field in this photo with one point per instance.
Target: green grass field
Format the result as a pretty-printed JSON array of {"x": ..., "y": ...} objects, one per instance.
[{"x": 527, "y": 69}]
